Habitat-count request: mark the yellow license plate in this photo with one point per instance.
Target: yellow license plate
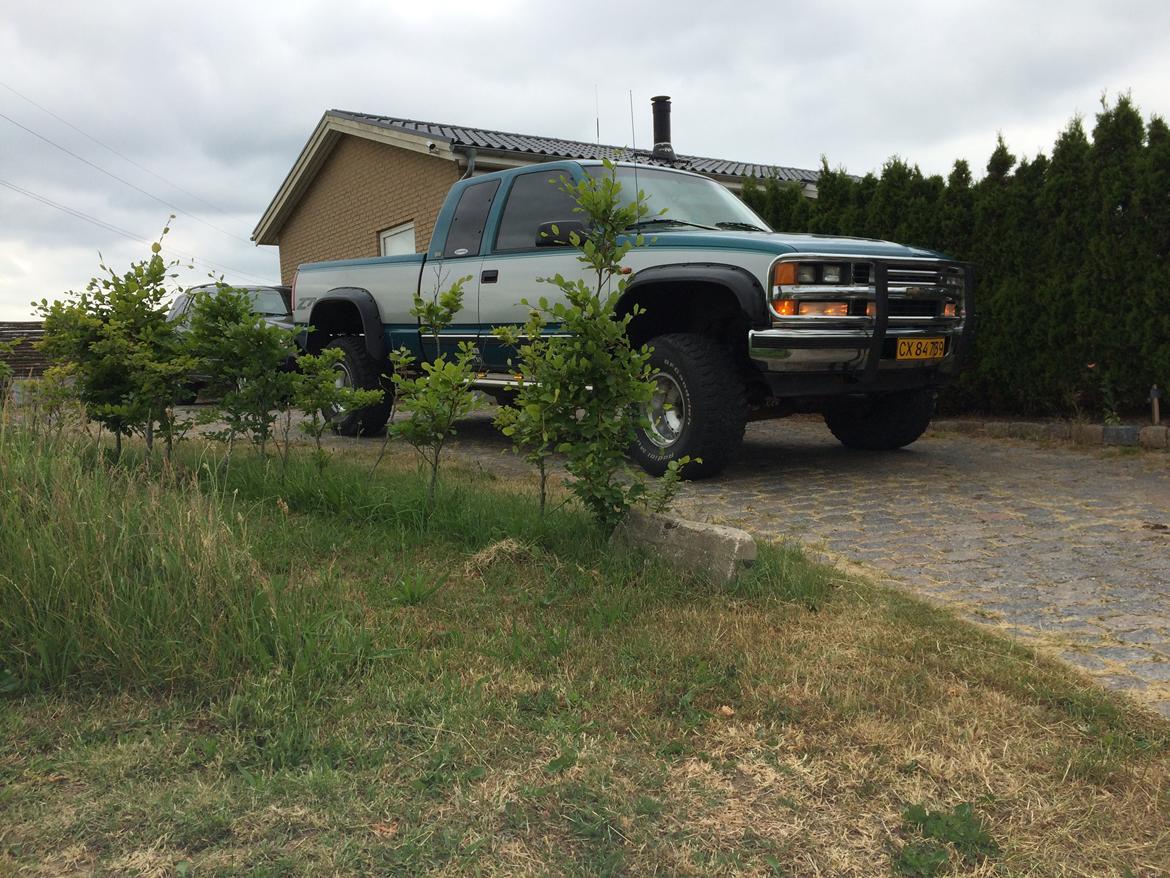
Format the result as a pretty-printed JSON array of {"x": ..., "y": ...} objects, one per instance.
[{"x": 921, "y": 348}]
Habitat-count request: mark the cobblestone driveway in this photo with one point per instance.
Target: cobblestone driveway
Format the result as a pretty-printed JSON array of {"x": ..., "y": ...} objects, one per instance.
[{"x": 1064, "y": 547}]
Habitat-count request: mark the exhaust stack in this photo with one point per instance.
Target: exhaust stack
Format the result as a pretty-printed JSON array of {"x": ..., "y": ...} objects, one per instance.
[{"x": 662, "y": 146}]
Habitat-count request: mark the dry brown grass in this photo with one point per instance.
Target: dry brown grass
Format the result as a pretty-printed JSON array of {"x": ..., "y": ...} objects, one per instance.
[{"x": 559, "y": 708}]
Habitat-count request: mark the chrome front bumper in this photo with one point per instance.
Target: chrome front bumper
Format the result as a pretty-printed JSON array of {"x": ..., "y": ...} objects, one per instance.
[
  {"x": 861, "y": 347},
  {"x": 823, "y": 349}
]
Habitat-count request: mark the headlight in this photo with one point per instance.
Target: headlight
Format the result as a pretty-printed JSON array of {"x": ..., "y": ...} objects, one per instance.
[
  {"x": 794, "y": 308},
  {"x": 806, "y": 273},
  {"x": 824, "y": 309}
]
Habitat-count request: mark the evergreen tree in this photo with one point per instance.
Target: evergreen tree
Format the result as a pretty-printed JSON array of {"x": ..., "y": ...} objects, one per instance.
[
  {"x": 957, "y": 213},
  {"x": 1116, "y": 258},
  {"x": 1152, "y": 209},
  {"x": 1072, "y": 257},
  {"x": 834, "y": 198}
]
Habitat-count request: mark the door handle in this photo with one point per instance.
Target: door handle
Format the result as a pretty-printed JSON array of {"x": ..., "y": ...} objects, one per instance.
[{"x": 490, "y": 276}]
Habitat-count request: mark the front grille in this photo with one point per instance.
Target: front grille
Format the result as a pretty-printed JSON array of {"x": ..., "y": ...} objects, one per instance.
[
  {"x": 898, "y": 276},
  {"x": 913, "y": 308},
  {"x": 913, "y": 277}
]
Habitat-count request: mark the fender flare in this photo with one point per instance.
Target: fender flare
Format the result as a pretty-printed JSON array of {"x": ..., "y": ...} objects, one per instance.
[
  {"x": 741, "y": 282},
  {"x": 368, "y": 312}
]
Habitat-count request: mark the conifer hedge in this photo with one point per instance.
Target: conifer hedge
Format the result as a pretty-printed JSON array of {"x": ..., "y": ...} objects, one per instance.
[{"x": 1072, "y": 255}]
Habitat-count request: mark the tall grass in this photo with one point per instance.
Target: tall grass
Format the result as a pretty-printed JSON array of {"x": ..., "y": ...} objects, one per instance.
[{"x": 116, "y": 577}]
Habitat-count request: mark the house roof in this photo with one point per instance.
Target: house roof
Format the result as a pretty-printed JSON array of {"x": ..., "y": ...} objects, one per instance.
[
  {"x": 492, "y": 149},
  {"x": 555, "y": 147}
]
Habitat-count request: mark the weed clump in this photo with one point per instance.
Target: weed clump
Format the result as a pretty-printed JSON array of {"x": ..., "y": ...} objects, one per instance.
[{"x": 116, "y": 577}]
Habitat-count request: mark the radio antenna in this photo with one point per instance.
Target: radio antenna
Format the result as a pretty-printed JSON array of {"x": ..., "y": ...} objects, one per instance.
[
  {"x": 597, "y": 112},
  {"x": 634, "y": 146}
]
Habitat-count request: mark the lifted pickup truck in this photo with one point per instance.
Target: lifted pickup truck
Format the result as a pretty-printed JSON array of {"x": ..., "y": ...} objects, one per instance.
[{"x": 744, "y": 323}]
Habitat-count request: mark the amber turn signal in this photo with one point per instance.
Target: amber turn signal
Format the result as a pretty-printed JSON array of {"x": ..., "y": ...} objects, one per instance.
[
  {"x": 784, "y": 274},
  {"x": 784, "y": 307}
]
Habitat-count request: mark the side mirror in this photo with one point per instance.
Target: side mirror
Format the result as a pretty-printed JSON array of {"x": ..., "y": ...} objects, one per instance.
[{"x": 557, "y": 234}]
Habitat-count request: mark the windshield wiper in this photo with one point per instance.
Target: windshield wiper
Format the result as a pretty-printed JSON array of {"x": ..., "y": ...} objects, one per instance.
[
  {"x": 667, "y": 221},
  {"x": 741, "y": 227}
]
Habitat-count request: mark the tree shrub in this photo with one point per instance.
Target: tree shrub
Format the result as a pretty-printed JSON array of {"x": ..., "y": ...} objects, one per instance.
[
  {"x": 129, "y": 362},
  {"x": 1072, "y": 256},
  {"x": 583, "y": 390}
]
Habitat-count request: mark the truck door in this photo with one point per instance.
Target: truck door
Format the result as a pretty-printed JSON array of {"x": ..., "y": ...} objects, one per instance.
[
  {"x": 513, "y": 261},
  {"x": 460, "y": 258}
]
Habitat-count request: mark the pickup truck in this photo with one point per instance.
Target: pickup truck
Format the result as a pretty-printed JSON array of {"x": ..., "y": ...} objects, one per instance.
[{"x": 744, "y": 323}]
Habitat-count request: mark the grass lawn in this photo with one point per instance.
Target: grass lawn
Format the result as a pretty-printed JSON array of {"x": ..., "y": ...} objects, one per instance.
[{"x": 228, "y": 675}]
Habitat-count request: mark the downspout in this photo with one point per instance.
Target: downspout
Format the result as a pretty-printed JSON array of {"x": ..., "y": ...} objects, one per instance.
[{"x": 470, "y": 153}]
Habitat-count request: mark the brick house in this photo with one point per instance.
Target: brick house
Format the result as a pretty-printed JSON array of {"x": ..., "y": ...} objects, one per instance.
[{"x": 368, "y": 185}]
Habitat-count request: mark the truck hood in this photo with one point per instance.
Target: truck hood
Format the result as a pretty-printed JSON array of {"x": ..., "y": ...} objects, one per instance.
[{"x": 782, "y": 243}]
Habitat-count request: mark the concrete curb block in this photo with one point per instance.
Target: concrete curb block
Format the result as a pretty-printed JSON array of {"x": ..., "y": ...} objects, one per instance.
[
  {"x": 1061, "y": 431},
  {"x": 1088, "y": 434},
  {"x": 1154, "y": 437},
  {"x": 722, "y": 552},
  {"x": 1118, "y": 435}
]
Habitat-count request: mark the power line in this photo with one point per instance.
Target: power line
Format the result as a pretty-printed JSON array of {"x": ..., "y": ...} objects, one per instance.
[
  {"x": 120, "y": 155},
  {"x": 120, "y": 179},
  {"x": 110, "y": 227},
  {"x": 72, "y": 212}
]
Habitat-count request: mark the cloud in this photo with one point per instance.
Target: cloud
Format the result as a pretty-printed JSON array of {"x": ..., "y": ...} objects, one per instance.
[{"x": 220, "y": 97}]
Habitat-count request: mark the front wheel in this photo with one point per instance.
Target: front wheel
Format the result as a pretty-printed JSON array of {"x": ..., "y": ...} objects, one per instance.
[
  {"x": 699, "y": 407},
  {"x": 881, "y": 423},
  {"x": 359, "y": 370}
]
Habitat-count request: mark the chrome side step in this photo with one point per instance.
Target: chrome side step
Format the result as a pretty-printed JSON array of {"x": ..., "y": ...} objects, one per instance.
[{"x": 498, "y": 379}]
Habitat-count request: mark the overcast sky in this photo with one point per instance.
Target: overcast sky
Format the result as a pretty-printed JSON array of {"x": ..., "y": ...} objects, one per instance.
[{"x": 217, "y": 99}]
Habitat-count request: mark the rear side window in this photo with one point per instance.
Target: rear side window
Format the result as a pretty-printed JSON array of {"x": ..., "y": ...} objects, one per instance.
[
  {"x": 535, "y": 198},
  {"x": 269, "y": 302},
  {"x": 179, "y": 306},
  {"x": 467, "y": 224}
]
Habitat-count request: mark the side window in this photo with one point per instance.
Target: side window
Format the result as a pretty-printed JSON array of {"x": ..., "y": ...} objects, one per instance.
[
  {"x": 535, "y": 198},
  {"x": 467, "y": 224}
]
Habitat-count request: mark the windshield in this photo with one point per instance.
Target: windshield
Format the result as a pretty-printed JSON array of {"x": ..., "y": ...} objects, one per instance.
[{"x": 690, "y": 200}]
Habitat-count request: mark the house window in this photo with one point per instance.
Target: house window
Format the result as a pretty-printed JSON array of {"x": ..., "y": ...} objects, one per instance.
[{"x": 398, "y": 241}]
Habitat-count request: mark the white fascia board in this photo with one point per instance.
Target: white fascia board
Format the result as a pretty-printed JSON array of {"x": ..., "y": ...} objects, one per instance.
[{"x": 317, "y": 149}]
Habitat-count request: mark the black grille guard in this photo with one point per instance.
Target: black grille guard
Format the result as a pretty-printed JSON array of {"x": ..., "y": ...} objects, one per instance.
[{"x": 881, "y": 291}]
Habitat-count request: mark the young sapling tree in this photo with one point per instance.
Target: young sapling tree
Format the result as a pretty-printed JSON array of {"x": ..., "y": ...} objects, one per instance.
[
  {"x": 584, "y": 389},
  {"x": 129, "y": 362},
  {"x": 316, "y": 391},
  {"x": 439, "y": 393},
  {"x": 243, "y": 358}
]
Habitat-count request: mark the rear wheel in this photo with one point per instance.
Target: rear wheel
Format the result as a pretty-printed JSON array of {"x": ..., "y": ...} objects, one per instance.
[
  {"x": 699, "y": 407},
  {"x": 881, "y": 423},
  {"x": 359, "y": 370}
]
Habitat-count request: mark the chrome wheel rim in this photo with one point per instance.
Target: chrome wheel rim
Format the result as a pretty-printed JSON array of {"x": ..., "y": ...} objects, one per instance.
[
  {"x": 341, "y": 380},
  {"x": 666, "y": 412}
]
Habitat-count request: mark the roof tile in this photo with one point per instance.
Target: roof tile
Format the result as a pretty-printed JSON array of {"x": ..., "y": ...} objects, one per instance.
[{"x": 458, "y": 135}]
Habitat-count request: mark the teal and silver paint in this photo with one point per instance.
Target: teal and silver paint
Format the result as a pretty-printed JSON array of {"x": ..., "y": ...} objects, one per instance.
[{"x": 498, "y": 282}]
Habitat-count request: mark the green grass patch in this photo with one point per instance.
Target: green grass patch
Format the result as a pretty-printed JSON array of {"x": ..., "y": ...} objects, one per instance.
[
  {"x": 309, "y": 676},
  {"x": 114, "y": 576}
]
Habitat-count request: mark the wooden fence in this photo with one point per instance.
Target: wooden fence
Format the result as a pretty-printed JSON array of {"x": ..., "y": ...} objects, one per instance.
[{"x": 26, "y": 360}]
